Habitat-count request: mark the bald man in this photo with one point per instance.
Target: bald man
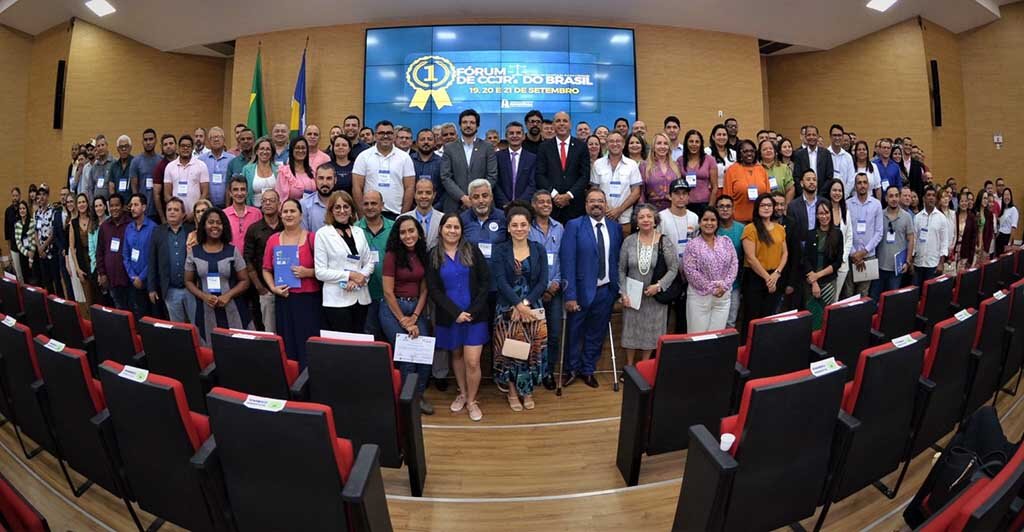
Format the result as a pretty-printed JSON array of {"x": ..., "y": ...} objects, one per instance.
[{"x": 563, "y": 167}]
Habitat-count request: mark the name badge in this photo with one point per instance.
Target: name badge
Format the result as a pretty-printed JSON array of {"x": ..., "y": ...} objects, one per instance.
[
  {"x": 922, "y": 235},
  {"x": 681, "y": 245},
  {"x": 485, "y": 248},
  {"x": 149, "y": 183},
  {"x": 135, "y": 255},
  {"x": 890, "y": 237},
  {"x": 115, "y": 244},
  {"x": 774, "y": 183},
  {"x": 182, "y": 189},
  {"x": 691, "y": 180},
  {"x": 352, "y": 263},
  {"x": 218, "y": 178},
  {"x": 384, "y": 181},
  {"x": 101, "y": 181},
  {"x": 122, "y": 185},
  {"x": 213, "y": 283},
  {"x": 375, "y": 256},
  {"x": 551, "y": 259},
  {"x": 862, "y": 227},
  {"x": 885, "y": 185},
  {"x": 752, "y": 193}
]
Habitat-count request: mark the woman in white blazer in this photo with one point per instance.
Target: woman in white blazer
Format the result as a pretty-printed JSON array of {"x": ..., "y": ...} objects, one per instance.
[{"x": 344, "y": 263}]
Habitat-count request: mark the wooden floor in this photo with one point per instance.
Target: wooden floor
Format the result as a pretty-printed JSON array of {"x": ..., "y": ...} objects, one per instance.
[{"x": 548, "y": 469}]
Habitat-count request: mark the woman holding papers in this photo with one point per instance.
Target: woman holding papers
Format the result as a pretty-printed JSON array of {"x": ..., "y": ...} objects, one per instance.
[
  {"x": 520, "y": 331},
  {"x": 710, "y": 265},
  {"x": 405, "y": 294},
  {"x": 288, "y": 272},
  {"x": 644, "y": 319},
  {"x": 343, "y": 261},
  {"x": 458, "y": 281},
  {"x": 822, "y": 258},
  {"x": 215, "y": 274}
]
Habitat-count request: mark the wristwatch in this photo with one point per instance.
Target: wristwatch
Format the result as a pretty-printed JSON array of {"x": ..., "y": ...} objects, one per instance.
[{"x": 525, "y": 302}]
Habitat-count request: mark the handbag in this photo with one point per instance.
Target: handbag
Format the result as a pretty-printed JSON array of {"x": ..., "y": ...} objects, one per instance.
[{"x": 675, "y": 290}]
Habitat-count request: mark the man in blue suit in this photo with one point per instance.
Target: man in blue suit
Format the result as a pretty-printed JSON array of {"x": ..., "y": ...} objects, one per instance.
[
  {"x": 590, "y": 265},
  {"x": 516, "y": 168}
]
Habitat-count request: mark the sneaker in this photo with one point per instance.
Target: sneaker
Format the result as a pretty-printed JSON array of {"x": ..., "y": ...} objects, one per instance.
[
  {"x": 459, "y": 403},
  {"x": 474, "y": 411},
  {"x": 426, "y": 408}
]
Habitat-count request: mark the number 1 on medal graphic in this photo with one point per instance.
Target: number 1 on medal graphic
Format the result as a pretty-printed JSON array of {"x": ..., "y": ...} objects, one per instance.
[{"x": 430, "y": 76}]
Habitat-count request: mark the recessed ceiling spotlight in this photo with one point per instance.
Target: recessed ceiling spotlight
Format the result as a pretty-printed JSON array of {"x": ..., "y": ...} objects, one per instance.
[
  {"x": 880, "y": 5},
  {"x": 102, "y": 8}
]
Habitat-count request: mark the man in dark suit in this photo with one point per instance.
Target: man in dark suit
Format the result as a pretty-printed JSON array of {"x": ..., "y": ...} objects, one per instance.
[
  {"x": 167, "y": 252},
  {"x": 590, "y": 265},
  {"x": 913, "y": 169},
  {"x": 563, "y": 167},
  {"x": 801, "y": 221},
  {"x": 813, "y": 157},
  {"x": 516, "y": 169},
  {"x": 464, "y": 160}
]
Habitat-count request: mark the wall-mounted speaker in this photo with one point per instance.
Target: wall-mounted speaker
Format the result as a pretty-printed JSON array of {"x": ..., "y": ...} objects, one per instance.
[
  {"x": 58, "y": 95},
  {"x": 936, "y": 94}
]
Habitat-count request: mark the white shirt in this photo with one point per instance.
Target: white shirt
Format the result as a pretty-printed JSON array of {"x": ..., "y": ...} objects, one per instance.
[
  {"x": 679, "y": 229},
  {"x": 386, "y": 174},
  {"x": 467, "y": 148},
  {"x": 932, "y": 238},
  {"x": 617, "y": 183},
  {"x": 729, "y": 161},
  {"x": 333, "y": 260},
  {"x": 604, "y": 232},
  {"x": 678, "y": 151},
  {"x": 1008, "y": 220},
  {"x": 842, "y": 168},
  {"x": 812, "y": 158}
]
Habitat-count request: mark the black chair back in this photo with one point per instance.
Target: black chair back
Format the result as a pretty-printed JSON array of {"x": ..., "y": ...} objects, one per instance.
[
  {"x": 990, "y": 277},
  {"x": 968, "y": 283},
  {"x": 115, "y": 333},
  {"x": 21, "y": 369},
  {"x": 67, "y": 322},
  {"x": 847, "y": 331},
  {"x": 1015, "y": 345},
  {"x": 935, "y": 300},
  {"x": 947, "y": 363},
  {"x": 990, "y": 341},
  {"x": 777, "y": 345},
  {"x": 695, "y": 377},
  {"x": 1006, "y": 269},
  {"x": 10, "y": 296},
  {"x": 156, "y": 438},
  {"x": 882, "y": 399},
  {"x": 74, "y": 397},
  {"x": 37, "y": 315},
  {"x": 897, "y": 310},
  {"x": 251, "y": 362},
  {"x": 172, "y": 350}
]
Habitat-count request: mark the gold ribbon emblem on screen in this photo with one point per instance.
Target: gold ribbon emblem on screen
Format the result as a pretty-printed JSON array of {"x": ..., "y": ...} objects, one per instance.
[{"x": 430, "y": 75}]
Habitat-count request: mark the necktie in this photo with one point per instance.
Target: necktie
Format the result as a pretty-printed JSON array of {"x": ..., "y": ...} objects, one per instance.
[
  {"x": 514, "y": 155},
  {"x": 600, "y": 253},
  {"x": 561, "y": 153}
]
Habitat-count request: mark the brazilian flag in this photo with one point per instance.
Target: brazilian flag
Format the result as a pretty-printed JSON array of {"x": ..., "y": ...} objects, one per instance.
[{"x": 257, "y": 120}]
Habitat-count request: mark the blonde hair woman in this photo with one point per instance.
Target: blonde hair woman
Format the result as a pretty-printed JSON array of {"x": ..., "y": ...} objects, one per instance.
[{"x": 658, "y": 173}]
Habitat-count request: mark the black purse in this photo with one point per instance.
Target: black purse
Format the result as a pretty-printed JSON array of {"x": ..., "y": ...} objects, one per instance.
[{"x": 675, "y": 290}]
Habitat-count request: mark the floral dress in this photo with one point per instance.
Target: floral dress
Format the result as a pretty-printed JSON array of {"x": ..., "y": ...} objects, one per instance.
[{"x": 523, "y": 373}]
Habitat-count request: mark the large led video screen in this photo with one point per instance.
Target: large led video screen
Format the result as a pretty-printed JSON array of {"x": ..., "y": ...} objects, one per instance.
[{"x": 426, "y": 75}]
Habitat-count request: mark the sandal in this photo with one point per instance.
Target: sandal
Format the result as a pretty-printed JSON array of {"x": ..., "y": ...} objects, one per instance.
[
  {"x": 474, "y": 411},
  {"x": 459, "y": 403},
  {"x": 514, "y": 404},
  {"x": 528, "y": 402}
]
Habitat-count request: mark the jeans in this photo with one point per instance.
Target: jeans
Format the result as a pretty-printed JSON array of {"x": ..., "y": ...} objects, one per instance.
[
  {"x": 706, "y": 313},
  {"x": 887, "y": 280},
  {"x": 734, "y": 307},
  {"x": 389, "y": 322},
  {"x": 373, "y": 319},
  {"x": 267, "y": 311},
  {"x": 138, "y": 300},
  {"x": 553, "y": 311},
  {"x": 181, "y": 305},
  {"x": 121, "y": 296}
]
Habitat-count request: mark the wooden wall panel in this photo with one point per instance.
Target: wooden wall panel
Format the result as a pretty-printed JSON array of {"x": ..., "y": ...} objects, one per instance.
[
  {"x": 15, "y": 63},
  {"x": 946, "y": 158},
  {"x": 46, "y": 157}
]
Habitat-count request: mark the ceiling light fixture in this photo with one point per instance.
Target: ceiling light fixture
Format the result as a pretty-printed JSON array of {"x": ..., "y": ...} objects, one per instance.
[
  {"x": 880, "y": 5},
  {"x": 102, "y": 8}
]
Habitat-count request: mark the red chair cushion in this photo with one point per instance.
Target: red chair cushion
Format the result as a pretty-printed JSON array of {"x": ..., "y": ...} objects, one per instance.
[
  {"x": 98, "y": 399},
  {"x": 876, "y": 320},
  {"x": 648, "y": 369},
  {"x": 291, "y": 371},
  {"x": 86, "y": 327},
  {"x": 202, "y": 426},
  {"x": 18, "y": 513},
  {"x": 205, "y": 356},
  {"x": 734, "y": 424},
  {"x": 818, "y": 337}
]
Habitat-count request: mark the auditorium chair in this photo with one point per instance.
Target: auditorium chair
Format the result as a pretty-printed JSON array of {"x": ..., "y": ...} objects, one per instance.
[
  {"x": 70, "y": 398},
  {"x": 116, "y": 336},
  {"x": 946, "y": 364},
  {"x": 990, "y": 279},
  {"x": 10, "y": 297},
  {"x": 148, "y": 421},
  {"x": 936, "y": 302},
  {"x": 16, "y": 513},
  {"x": 769, "y": 350},
  {"x": 251, "y": 362},
  {"x": 1007, "y": 265},
  {"x": 1015, "y": 345},
  {"x": 989, "y": 351},
  {"x": 1018, "y": 264},
  {"x": 985, "y": 505},
  {"x": 696, "y": 372},
  {"x": 173, "y": 350},
  {"x": 370, "y": 403},
  {"x": 777, "y": 471},
  {"x": 69, "y": 326},
  {"x": 882, "y": 397},
  {"x": 897, "y": 313},
  {"x": 283, "y": 467},
  {"x": 968, "y": 284},
  {"x": 846, "y": 331},
  {"x": 37, "y": 314},
  {"x": 18, "y": 370}
]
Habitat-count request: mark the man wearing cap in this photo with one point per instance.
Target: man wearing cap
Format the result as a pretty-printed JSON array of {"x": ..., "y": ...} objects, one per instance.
[{"x": 679, "y": 225}]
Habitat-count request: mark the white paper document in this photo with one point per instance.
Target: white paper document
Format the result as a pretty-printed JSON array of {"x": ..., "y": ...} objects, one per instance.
[
  {"x": 870, "y": 272},
  {"x": 635, "y": 292},
  {"x": 419, "y": 350}
]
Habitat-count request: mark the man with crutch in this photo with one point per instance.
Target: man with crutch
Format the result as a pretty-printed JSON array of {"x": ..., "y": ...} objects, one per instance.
[{"x": 590, "y": 265}]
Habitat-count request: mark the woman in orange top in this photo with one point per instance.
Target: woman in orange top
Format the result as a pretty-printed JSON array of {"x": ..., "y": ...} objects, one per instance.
[{"x": 745, "y": 181}]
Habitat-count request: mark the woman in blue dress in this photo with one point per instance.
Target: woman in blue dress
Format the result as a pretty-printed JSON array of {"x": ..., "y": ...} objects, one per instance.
[
  {"x": 520, "y": 276},
  {"x": 215, "y": 275},
  {"x": 458, "y": 281}
]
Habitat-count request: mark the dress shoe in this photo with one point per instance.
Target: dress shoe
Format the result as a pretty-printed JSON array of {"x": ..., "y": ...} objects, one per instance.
[
  {"x": 591, "y": 381},
  {"x": 441, "y": 384},
  {"x": 549, "y": 382},
  {"x": 568, "y": 379},
  {"x": 426, "y": 408}
]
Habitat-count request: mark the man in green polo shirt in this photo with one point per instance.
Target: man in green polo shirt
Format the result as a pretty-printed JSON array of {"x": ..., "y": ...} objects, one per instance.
[
  {"x": 377, "y": 229},
  {"x": 245, "y": 155}
]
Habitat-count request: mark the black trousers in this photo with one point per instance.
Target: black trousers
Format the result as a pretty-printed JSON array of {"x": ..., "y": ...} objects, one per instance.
[
  {"x": 757, "y": 302},
  {"x": 345, "y": 319}
]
